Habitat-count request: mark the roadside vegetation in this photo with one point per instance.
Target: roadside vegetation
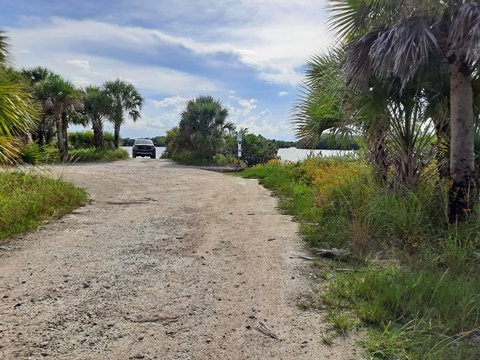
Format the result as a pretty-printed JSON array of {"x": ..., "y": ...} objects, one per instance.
[
  {"x": 407, "y": 276},
  {"x": 400, "y": 221},
  {"x": 36, "y": 108},
  {"x": 28, "y": 200}
]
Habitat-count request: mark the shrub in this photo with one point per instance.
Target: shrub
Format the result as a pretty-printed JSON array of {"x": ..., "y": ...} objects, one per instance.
[
  {"x": 255, "y": 148},
  {"x": 87, "y": 155},
  {"x": 190, "y": 158},
  {"x": 85, "y": 140}
]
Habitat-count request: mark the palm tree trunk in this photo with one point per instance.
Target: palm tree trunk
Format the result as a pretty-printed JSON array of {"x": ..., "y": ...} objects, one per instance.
[
  {"x": 97, "y": 127},
  {"x": 40, "y": 135},
  {"x": 406, "y": 174},
  {"x": 116, "y": 138},
  {"x": 378, "y": 152},
  {"x": 463, "y": 191},
  {"x": 65, "y": 130},
  {"x": 60, "y": 138}
]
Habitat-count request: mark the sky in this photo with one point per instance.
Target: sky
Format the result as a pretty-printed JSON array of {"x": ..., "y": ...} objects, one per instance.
[{"x": 249, "y": 54}]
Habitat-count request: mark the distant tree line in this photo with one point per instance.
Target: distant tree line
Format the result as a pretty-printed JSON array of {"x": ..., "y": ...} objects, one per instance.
[
  {"x": 160, "y": 141},
  {"x": 327, "y": 142}
]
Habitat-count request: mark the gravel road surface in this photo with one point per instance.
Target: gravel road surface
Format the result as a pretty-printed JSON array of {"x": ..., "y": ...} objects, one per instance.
[{"x": 164, "y": 262}]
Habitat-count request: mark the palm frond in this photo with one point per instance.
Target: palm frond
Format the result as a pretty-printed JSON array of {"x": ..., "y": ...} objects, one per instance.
[
  {"x": 401, "y": 49},
  {"x": 18, "y": 115},
  {"x": 464, "y": 36},
  {"x": 3, "y": 48},
  {"x": 353, "y": 18},
  {"x": 357, "y": 63}
]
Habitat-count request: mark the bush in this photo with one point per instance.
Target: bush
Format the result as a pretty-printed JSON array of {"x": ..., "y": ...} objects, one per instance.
[
  {"x": 86, "y": 155},
  {"x": 81, "y": 139},
  {"x": 255, "y": 148},
  {"x": 225, "y": 160},
  {"x": 190, "y": 158},
  {"x": 85, "y": 140}
]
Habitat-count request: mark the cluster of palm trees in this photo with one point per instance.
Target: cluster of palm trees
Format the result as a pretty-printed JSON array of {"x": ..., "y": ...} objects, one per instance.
[
  {"x": 40, "y": 104},
  {"x": 405, "y": 74}
]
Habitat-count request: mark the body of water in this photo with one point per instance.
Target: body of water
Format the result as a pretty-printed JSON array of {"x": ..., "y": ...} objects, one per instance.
[
  {"x": 289, "y": 154},
  {"x": 159, "y": 152},
  {"x": 294, "y": 154}
]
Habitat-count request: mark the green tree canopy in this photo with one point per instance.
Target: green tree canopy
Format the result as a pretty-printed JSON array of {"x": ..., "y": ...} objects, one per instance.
[
  {"x": 125, "y": 99},
  {"x": 202, "y": 126}
]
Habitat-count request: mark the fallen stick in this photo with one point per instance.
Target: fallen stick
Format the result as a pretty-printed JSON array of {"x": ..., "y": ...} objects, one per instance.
[{"x": 265, "y": 330}]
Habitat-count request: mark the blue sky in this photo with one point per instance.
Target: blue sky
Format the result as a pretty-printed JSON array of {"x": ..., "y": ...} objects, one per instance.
[{"x": 249, "y": 54}]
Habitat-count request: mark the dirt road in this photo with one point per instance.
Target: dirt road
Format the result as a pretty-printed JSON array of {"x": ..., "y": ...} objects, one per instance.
[{"x": 165, "y": 262}]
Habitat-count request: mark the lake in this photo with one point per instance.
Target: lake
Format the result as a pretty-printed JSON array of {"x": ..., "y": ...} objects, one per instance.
[
  {"x": 290, "y": 154},
  {"x": 294, "y": 154}
]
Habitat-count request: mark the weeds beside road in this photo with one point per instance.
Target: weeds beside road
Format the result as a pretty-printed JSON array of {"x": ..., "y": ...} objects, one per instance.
[
  {"x": 411, "y": 280},
  {"x": 27, "y": 200}
]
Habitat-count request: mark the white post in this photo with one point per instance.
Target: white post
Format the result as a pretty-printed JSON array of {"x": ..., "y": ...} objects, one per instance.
[{"x": 239, "y": 140}]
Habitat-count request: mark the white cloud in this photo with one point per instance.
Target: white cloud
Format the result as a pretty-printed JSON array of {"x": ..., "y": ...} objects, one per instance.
[
  {"x": 282, "y": 93},
  {"x": 248, "y": 105},
  {"x": 170, "y": 101},
  {"x": 275, "y": 48},
  {"x": 81, "y": 63}
]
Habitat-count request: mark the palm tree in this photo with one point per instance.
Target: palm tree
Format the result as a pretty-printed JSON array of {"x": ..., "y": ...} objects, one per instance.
[
  {"x": 18, "y": 113},
  {"x": 36, "y": 74},
  {"x": 58, "y": 98},
  {"x": 395, "y": 38},
  {"x": 98, "y": 106},
  {"x": 203, "y": 124},
  {"x": 125, "y": 98},
  {"x": 321, "y": 105},
  {"x": 45, "y": 129}
]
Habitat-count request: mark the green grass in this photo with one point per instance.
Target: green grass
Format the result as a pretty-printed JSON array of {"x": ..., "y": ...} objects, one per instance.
[
  {"x": 28, "y": 200},
  {"x": 427, "y": 306},
  {"x": 430, "y": 311}
]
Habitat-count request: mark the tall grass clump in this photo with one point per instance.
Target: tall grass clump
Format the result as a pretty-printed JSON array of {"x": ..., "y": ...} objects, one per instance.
[
  {"x": 436, "y": 314},
  {"x": 28, "y": 200}
]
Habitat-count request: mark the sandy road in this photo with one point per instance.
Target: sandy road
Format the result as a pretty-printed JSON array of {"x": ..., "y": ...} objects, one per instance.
[{"x": 165, "y": 262}]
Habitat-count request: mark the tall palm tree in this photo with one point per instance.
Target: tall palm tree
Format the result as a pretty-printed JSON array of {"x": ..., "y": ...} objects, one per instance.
[
  {"x": 59, "y": 98},
  {"x": 45, "y": 129},
  {"x": 125, "y": 98},
  {"x": 396, "y": 38},
  {"x": 18, "y": 113},
  {"x": 203, "y": 124},
  {"x": 98, "y": 106}
]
